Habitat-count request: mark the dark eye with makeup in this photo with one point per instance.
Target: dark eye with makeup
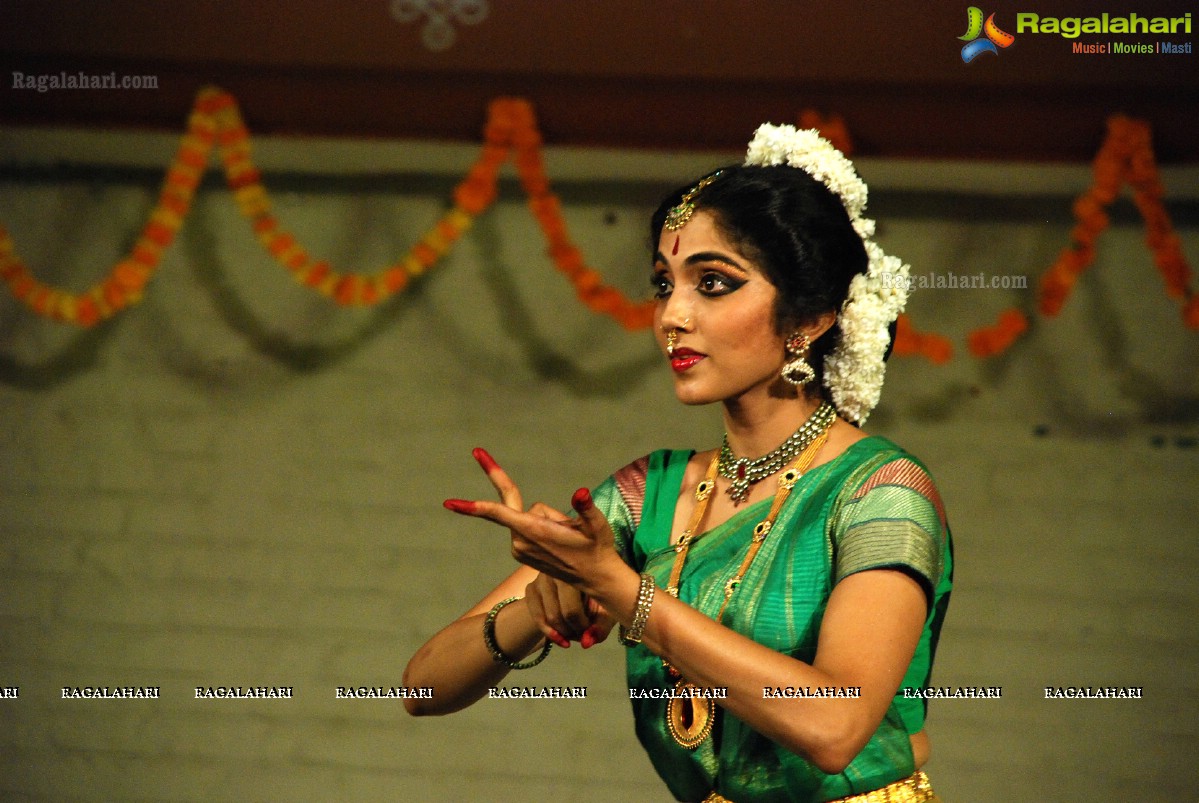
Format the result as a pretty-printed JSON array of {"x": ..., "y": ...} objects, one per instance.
[
  {"x": 714, "y": 283},
  {"x": 660, "y": 284}
]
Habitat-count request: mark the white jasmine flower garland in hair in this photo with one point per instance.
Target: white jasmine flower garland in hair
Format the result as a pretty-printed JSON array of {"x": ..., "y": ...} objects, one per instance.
[{"x": 853, "y": 372}]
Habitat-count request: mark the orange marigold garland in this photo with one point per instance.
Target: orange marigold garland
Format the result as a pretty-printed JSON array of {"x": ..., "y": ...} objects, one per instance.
[
  {"x": 511, "y": 130},
  {"x": 908, "y": 342},
  {"x": 1142, "y": 175},
  {"x": 215, "y": 121},
  {"x": 1126, "y": 157},
  {"x": 347, "y": 289},
  {"x": 127, "y": 281},
  {"x": 992, "y": 340},
  {"x": 547, "y": 209},
  {"x": 1058, "y": 281}
]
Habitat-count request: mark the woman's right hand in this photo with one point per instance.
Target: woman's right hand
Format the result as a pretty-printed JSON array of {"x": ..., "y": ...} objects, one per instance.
[{"x": 563, "y": 614}]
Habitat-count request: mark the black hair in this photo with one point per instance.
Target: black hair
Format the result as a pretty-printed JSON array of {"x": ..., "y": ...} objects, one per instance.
[{"x": 796, "y": 230}]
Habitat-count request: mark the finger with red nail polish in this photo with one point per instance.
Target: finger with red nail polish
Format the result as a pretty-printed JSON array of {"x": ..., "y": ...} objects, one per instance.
[
  {"x": 486, "y": 461},
  {"x": 581, "y": 501},
  {"x": 557, "y": 638},
  {"x": 459, "y": 505}
]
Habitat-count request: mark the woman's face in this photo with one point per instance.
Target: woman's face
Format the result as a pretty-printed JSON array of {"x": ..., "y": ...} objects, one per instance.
[{"x": 721, "y": 305}]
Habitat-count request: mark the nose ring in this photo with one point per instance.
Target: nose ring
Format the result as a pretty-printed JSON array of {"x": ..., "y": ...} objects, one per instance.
[{"x": 672, "y": 337}]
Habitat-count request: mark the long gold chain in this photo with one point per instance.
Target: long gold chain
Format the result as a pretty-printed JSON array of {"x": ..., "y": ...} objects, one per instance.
[
  {"x": 689, "y": 717},
  {"x": 703, "y": 496}
]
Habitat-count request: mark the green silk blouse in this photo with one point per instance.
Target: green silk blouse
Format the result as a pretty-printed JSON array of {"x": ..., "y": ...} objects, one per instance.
[{"x": 874, "y": 506}]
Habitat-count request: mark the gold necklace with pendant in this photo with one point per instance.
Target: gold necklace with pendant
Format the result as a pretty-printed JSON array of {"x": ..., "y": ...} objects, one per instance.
[{"x": 689, "y": 713}]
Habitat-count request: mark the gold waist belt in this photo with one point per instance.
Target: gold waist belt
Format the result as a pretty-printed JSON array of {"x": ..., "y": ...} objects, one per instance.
[{"x": 914, "y": 789}]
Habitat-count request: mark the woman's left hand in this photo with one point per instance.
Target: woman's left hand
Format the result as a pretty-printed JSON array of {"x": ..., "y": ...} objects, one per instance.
[{"x": 576, "y": 551}]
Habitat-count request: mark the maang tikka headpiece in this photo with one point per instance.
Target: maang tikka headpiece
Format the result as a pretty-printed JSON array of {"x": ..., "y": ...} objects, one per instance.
[{"x": 678, "y": 215}]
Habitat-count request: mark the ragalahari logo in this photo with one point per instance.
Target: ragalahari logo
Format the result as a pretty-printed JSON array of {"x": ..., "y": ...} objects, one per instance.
[{"x": 975, "y": 28}]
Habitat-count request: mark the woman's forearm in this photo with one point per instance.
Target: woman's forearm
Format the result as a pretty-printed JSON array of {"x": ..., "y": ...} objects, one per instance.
[
  {"x": 712, "y": 656},
  {"x": 829, "y": 731},
  {"x": 457, "y": 664}
]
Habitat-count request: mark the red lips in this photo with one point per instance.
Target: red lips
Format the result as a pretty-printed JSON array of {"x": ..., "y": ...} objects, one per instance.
[{"x": 684, "y": 359}]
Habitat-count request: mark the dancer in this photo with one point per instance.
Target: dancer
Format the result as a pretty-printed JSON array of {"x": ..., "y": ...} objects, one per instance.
[{"x": 776, "y": 594}]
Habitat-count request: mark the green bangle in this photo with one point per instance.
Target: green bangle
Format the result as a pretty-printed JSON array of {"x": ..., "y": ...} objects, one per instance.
[{"x": 494, "y": 648}]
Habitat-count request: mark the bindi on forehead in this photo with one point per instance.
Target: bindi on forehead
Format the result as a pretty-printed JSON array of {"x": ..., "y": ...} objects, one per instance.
[{"x": 674, "y": 251}]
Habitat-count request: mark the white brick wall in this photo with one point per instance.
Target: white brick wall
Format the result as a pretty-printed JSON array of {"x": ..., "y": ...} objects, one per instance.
[{"x": 238, "y": 484}]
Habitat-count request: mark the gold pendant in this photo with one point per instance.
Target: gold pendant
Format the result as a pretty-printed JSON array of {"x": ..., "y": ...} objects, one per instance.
[{"x": 688, "y": 718}]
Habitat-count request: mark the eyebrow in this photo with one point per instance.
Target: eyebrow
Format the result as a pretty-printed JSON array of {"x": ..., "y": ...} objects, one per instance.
[{"x": 704, "y": 256}]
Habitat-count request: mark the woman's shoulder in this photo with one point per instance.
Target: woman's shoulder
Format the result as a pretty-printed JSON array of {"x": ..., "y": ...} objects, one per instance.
[
  {"x": 656, "y": 462},
  {"x": 877, "y": 450},
  {"x": 877, "y": 462},
  {"x": 874, "y": 460},
  {"x": 854, "y": 453},
  {"x": 641, "y": 488},
  {"x": 632, "y": 479}
]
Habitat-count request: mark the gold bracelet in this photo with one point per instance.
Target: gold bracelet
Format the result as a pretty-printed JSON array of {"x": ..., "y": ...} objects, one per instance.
[
  {"x": 645, "y": 599},
  {"x": 494, "y": 648}
]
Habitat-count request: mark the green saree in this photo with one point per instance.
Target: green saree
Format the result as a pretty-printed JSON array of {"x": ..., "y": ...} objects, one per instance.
[{"x": 872, "y": 507}]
